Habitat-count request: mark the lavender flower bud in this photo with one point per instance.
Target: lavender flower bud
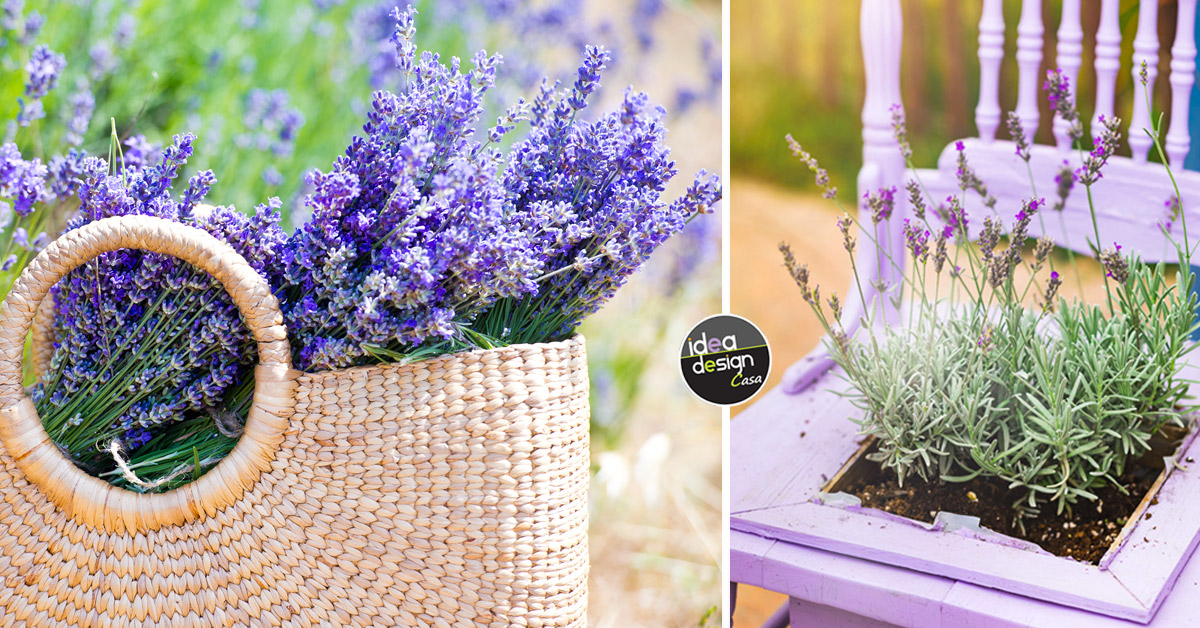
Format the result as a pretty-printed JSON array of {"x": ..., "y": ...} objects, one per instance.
[
  {"x": 900, "y": 131},
  {"x": 1115, "y": 265},
  {"x": 843, "y": 224},
  {"x": 1017, "y": 130},
  {"x": 44, "y": 68},
  {"x": 1065, "y": 182},
  {"x": 1104, "y": 146},
  {"x": 1051, "y": 291},
  {"x": 822, "y": 177},
  {"x": 1058, "y": 91},
  {"x": 915, "y": 198},
  {"x": 881, "y": 203}
]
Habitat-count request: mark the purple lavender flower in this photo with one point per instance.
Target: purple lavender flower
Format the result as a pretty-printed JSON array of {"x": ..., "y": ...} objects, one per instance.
[
  {"x": 408, "y": 238},
  {"x": 1058, "y": 91},
  {"x": 124, "y": 31},
  {"x": 1051, "y": 291},
  {"x": 881, "y": 202},
  {"x": 1064, "y": 181},
  {"x": 822, "y": 177},
  {"x": 82, "y": 105},
  {"x": 1017, "y": 130},
  {"x": 917, "y": 241},
  {"x": 44, "y": 68},
  {"x": 189, "y": 338},
  {"x": 1115, "y": 265},
  {"x": 591, "y": 189},
  {"x": 271, "y": 124},
  {"x": 1104, "y": 145},
  {"x": 916, "y": 199},
  {"x": 139, "y": 152},
  {"x": 22, "y": 181},
  {"x": 645, "y": 13},
  {"x": 900, "y": 131},
  {"x": 104, "y": 60},
  {"x": 1173, "y": 207},
  {"x": 968, "y": 180}
]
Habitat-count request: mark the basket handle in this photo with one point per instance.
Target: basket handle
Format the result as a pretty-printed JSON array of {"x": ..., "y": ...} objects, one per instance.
[{"x": 94, "y": 501}]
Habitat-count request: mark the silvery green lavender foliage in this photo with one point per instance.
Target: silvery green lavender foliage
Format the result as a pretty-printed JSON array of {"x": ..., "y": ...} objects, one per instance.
[
  {"x": 1057, "y": 400},
  {"x": 408, "y": 237},
  {"x": 144, "y": 340}
]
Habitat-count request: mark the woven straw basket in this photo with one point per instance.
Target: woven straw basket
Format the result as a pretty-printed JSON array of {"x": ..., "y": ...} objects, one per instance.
[{"x": 450, "y": 492}]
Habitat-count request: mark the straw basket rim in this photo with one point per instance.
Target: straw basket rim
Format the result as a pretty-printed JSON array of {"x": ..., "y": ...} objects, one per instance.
[{"x": 93, "y": 501}]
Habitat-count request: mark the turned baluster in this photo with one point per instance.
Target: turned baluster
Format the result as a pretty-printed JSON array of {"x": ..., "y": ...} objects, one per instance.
[
  {"x": 991, "y": 51},
  {"x": 1183, "y": 70},
  {"x": 1029, "y": 62},
  {"x": 1108, "y": 61},
  {"x": 1069, "y": 59},
  {"x": 1145, "y": 50}
]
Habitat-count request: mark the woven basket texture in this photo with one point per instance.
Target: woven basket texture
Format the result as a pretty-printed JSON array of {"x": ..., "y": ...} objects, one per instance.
[{"x": 448, "y": 492}]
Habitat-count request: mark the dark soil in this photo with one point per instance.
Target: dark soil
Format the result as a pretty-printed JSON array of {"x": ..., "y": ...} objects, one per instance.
[{"x": 1085, "y": 534}]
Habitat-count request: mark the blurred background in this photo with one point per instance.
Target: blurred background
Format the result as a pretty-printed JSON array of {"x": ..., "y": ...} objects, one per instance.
[
  {"x": 796, "y": 67},
  {"x": 275, "y": 88}
]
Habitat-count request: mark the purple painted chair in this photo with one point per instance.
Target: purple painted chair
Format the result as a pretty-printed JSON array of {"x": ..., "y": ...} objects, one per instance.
[{"x": 843, "y": 567}]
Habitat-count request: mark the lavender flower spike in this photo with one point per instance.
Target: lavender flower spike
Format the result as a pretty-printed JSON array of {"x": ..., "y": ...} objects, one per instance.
[
  {"x": 44, "y": 68},
  {"x": 1115, "y": 264},
  {"x": 1058, "y": 91},
  {"x": 822, "y": 176},
  {"x": 881, "y": 203},
  {"x": 1017, "y": 130}
]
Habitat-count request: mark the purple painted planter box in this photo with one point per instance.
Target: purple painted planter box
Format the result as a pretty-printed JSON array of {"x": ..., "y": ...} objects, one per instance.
[{"x": 886, "y": 568}]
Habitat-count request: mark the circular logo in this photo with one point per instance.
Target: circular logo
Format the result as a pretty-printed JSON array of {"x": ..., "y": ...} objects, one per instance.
[{"x": 725, "y": 359}]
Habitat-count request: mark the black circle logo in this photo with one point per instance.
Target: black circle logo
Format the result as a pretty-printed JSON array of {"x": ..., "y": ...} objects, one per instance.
[{"x": 725, "y": 359}]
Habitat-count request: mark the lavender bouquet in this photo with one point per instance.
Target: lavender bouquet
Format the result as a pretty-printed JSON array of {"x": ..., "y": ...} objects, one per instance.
[
  {"x": 147, "y": 346},
  {"x": 426, "y": 240},
  {"x": 1056, "y": 400}
]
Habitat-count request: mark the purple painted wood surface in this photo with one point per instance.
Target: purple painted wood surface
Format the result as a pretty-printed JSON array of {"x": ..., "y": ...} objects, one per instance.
[
  {"x": 775, "y": 472},
  {"x": 882, "y": 593}
]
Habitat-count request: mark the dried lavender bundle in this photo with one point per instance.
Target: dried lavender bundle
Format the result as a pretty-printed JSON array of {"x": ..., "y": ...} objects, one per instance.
[{"x": 144, "y": 341}]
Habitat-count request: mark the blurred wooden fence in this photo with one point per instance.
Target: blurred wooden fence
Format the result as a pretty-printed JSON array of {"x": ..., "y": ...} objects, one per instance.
[{"x": 814, "y": 45}]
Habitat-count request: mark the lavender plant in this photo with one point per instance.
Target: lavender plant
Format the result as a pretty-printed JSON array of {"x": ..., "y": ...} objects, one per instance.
[
  {"x": 148, "y": 347},
  {"x": 1057, "y": 399}
]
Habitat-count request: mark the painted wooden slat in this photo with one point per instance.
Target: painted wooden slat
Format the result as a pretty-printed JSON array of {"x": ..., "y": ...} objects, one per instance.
[
  {"x": 771, "y": 460},
  {"x": 866, "y": 535},
  {"x": 991, "y": 52},
  {"x": 1125, "y": 185},
  {"x": 858, "y": 587},
  {"x": 1069, "y": 59},
  {"x": 1108, "y": 60},
  {"x": 896, "y": 595},
  {"x": 1029, "y": 63},
  {"x": 1145, "y": 50},
  {"x": 1183, "y": 70}
]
